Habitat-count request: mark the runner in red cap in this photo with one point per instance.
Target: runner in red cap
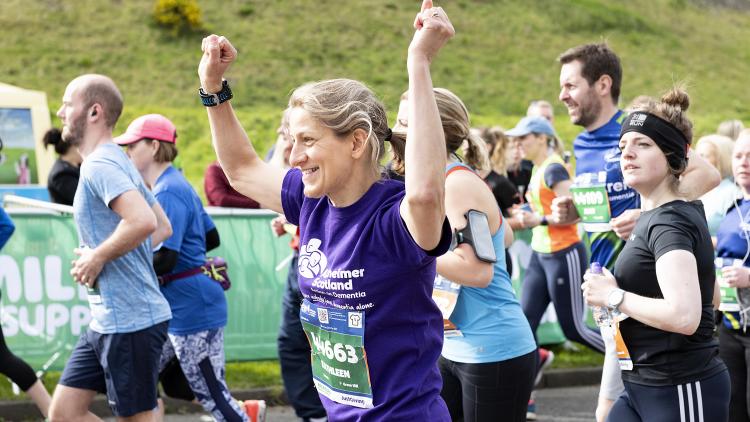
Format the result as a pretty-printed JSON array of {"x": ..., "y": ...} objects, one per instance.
[
  {"x": 198, "y": 304},
  {"x": 149, "y": 126}
]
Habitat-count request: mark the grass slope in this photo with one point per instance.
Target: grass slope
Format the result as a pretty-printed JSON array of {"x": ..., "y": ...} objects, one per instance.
[{"x": 502, "y": 57}]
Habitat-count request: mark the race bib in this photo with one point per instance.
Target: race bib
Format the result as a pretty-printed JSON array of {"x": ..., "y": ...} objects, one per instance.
[
  {"x": 339, "y": 361},
  {"x": 623, "y": 355},
  {"x": 592, "y": 204},
  {"x": 729, "y": 301},
  {"x": 445, "y": 294}
]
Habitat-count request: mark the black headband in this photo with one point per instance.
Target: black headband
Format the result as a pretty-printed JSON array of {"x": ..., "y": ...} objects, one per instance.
[{"x": 667, "y": 137}]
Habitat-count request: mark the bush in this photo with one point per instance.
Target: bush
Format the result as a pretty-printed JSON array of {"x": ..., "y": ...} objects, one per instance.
[
  {"x": 178, "y": 15},
  {"x": 246, "y": 10}
]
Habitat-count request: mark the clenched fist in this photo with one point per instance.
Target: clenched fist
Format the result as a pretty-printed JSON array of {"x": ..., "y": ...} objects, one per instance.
[
  {"x": 563, "y": 210},
  {"x": 218, "y": 55}
]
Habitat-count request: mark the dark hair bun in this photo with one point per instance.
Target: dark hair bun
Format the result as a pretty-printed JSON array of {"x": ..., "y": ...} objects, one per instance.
[
  {"x": 676, "y": 97},
  {"x": 52, "y": 137}
]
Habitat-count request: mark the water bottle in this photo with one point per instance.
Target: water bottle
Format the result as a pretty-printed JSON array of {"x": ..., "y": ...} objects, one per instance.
[{"x": 602, "y": 315}]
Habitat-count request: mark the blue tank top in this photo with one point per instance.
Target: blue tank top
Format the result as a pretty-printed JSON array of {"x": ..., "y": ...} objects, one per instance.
[{"x": 491, "y": 320}]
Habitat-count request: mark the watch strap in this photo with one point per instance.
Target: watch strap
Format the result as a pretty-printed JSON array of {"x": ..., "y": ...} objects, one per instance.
[{"x": 212, "y": 100}]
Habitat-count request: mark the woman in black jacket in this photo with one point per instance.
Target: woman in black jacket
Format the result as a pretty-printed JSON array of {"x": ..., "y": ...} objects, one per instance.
[{"x": 63, "y": 178}]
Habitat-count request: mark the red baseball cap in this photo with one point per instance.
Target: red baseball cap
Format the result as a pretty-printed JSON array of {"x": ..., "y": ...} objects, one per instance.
[{"x": 150, "y": 126}]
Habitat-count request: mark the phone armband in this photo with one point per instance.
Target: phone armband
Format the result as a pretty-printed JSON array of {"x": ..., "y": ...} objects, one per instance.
[{"x": 477, "y": 234}]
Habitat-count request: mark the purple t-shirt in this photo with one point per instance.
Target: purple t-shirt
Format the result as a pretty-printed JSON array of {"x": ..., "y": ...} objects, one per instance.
[{"x": 390, "y": 278}]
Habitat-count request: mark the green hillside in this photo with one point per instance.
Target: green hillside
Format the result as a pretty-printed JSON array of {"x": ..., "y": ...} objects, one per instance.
[{"x": 502, "y": 57}]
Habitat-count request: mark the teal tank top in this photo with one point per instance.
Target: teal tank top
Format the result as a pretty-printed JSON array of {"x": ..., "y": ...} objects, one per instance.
[{"x": 491, "y": 319}]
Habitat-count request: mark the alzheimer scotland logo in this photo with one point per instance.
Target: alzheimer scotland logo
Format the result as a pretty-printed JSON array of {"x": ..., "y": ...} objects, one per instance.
[{"x": 312, "y": 262}]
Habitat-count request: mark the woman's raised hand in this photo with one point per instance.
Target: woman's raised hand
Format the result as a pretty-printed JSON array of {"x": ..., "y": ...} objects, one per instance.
[
  {"x": 433, "y": 30},
  {"x": 218, "y": 55}
]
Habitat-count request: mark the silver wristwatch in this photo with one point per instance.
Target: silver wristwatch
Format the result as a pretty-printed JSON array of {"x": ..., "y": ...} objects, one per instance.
[{"x": 614, "y": 299}]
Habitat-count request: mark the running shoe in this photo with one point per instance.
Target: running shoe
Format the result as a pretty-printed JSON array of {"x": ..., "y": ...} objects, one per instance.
[
  {"x": 255, "y": 409},
  {"x": 545, "y": 360},
  {"x": 531, "y": 411}
]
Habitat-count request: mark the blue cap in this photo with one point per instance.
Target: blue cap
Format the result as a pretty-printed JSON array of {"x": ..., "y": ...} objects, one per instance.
[{"x": 535, "y": 124}]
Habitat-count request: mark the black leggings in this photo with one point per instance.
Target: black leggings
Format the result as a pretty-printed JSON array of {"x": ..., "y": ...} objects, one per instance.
[
  {"x": 495, "y": 391},
  {"x": 704, "y": 400},
  {"x": 14, "y": 368},
  {"x": 557, "y": 277}
]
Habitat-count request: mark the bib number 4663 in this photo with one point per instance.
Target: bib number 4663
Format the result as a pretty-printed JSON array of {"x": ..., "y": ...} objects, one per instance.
[{"x": 339, "y": 351}]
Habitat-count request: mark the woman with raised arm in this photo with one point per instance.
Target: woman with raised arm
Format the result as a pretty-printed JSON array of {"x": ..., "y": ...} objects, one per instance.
[
  {"x": 488, "y": 369},
  {"x": 368, "y": 245},
  {"x": 663, "y": 280}
]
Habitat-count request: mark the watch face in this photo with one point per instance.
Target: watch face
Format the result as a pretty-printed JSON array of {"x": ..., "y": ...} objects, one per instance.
[{"x": 615, "y": 298}]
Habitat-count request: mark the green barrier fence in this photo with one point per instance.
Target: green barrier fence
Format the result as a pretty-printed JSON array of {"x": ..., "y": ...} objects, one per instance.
[{"x": 44, "y": 311}]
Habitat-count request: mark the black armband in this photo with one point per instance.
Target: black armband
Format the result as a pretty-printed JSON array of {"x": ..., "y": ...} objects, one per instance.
[
  {"x": 477, "y": 234},
  {"x": 212, "y": 239}
]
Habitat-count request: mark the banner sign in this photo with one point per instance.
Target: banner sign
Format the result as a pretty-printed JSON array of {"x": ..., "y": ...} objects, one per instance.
[{"x": 44, "y": 310}]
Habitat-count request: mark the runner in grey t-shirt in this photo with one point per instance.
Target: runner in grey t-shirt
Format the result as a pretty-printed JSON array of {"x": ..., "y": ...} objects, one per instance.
[
  {"x": 118, "y": 220},
  {"x": 106, "y": 174}
]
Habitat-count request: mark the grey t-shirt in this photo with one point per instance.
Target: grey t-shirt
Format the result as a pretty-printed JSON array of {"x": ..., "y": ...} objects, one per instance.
[{"x": 129, "y": 298}]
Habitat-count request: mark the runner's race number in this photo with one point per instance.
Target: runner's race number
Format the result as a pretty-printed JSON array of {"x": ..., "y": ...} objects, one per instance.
[{"x": 340, "y": 352}]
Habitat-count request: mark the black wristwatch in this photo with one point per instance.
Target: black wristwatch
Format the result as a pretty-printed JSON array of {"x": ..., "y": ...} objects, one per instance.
[{"x": 212, "y": 100}]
